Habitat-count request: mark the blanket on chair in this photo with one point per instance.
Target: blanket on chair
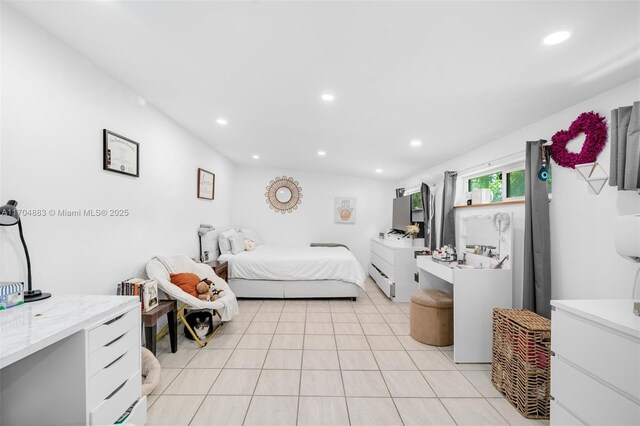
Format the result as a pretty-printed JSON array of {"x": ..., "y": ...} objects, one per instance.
[{"x": 226, "y": 305}]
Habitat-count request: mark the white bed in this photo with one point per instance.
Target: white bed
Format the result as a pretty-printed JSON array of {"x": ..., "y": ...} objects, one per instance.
[{"x": 281, "y": 271}]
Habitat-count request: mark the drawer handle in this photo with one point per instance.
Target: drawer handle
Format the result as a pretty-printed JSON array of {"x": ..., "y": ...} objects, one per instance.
[
  {"x": 115, "y": 340},
  {"x": 112, "y": 320},
  {"x": 115, "y": 360},
  {"x": 117, "y": 389}
]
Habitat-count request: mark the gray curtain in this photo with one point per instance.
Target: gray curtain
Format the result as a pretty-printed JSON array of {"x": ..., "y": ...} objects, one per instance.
[
  {"x": 625, "y": 147},
  {"x": 536, "y": 295},
  {"x": 448, "y": 227},
  {"x": 429, "y": 208}
]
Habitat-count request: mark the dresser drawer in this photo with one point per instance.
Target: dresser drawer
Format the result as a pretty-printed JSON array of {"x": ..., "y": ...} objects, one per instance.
[
  {"x": 103, "y": 383},
  {"x": 561, "y": 417},
  {"x": 384, "y": 266},
  {"x": 112, "y": 350},
  {"x": 594, "y": 402},
  {"x": 383, "y": 252},
  {"x": 117, "y": 402},
  {"x": 384, "y": 283},
  {"x": 138, "y": 416},
  {"x": 112, "y": 329},
  {"x": 600, "y": 351}
]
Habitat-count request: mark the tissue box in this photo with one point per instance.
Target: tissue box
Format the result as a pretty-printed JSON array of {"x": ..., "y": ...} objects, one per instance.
[{"x": 11, "y": 294}]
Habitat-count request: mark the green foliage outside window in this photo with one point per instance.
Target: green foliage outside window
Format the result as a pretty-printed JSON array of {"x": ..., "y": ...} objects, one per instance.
[
  {"x": 416, "y": 201},
  {"x": 515, "y": 184},
  {"x": 492, "y": 181}
]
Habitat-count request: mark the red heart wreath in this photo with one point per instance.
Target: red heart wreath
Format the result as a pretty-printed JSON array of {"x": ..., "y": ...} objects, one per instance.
[{"x": 594, "y": 127}]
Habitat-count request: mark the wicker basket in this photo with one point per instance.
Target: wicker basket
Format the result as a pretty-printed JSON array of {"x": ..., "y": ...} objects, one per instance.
[{"x": 521, "y": 366}]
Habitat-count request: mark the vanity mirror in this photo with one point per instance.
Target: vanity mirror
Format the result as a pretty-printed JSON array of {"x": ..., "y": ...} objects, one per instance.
[{"x": 486, "y": 236}]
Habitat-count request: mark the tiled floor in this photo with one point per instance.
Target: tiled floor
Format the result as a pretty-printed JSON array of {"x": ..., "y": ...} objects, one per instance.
[{"x": 323, "y": 362}]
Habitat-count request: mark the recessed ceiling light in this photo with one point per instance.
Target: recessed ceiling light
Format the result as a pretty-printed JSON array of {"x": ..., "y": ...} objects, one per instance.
[
  {"x": 222, "y": 121},
  {"x": 255, "y": 157},
  {"x": 328, "y": 97},
  {"x": 378, "y": 170},
  {"x": 321, "y": 153},
  {"x": 556, "y": 38},
  {"x": 416, "y": 142}
]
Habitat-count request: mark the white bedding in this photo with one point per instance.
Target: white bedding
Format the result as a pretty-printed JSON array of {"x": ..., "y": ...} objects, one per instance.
[{"x": 295, "y": 263}]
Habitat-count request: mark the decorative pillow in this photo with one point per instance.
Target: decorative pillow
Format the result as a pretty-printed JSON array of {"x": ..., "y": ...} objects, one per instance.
[
  {"x": 249, "y": 245},
  {"x": 224, "y": 242},
  {"x": 186, "y": 281},
  {"x": 252, "y": 235},
  {"x": 237, "y": 243}
]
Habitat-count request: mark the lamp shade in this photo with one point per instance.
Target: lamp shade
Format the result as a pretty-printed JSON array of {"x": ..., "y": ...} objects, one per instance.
[
  {"x": 204, "y": 228},
  {"x": 9, "y": 214}
]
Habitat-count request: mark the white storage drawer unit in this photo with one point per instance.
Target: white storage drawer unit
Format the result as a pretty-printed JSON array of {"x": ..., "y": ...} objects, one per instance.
[
  {"x": 393, "y": 268},
  {"x": 595, "y": 364},
  {"x": 81, "y": 365}
]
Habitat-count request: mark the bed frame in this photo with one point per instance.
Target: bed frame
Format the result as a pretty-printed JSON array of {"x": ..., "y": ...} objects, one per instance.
[{"x": 265, "y": 289}]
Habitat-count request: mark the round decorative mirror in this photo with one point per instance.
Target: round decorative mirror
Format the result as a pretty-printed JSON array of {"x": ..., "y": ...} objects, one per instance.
[{"x": 283, "y": 194}]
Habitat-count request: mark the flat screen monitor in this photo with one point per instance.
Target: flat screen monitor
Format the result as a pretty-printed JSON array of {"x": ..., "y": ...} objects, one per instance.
[{"x": 401, "y": 212}]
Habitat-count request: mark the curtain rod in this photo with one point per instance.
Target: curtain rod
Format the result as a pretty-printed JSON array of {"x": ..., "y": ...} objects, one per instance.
[
  {"x": 492, "y": 162},
  {"x": 469, "y": 169}
]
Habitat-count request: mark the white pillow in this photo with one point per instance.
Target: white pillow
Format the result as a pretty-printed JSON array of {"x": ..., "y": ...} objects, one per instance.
[
  {"x": 251, "y": 234},
  {"x": 237, "y": 243},
  {"x": 224, "y": 242}
]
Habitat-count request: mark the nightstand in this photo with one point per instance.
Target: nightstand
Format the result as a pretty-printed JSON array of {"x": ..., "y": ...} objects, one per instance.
[{"x": 220, "y": 268}]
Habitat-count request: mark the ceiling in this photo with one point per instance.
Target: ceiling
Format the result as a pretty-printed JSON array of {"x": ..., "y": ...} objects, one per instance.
[{"x": 451, "y": 74}]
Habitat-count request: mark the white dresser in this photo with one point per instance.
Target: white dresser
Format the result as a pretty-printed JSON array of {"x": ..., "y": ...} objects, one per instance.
[
  {"x": 393, "y": 268},
  {"x": 71, "y": 360},
  {"x": 595, "y": 363}
]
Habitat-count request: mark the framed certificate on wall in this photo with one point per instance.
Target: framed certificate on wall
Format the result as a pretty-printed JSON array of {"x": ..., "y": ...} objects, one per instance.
[
  {"x": 206, "y": 184},
  {"x": 121, "y": 155}
]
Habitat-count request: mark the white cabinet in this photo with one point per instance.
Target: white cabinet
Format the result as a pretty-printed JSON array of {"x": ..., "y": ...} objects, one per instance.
[
  {"x": 475, "y": 293},
  {"x": 71, "y": 360},
  {"x": 595, "y": 367},
  {"x": 393, "y": 268}
]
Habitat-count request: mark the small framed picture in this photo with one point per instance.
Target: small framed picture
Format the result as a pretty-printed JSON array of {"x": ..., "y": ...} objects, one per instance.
[
  {"x": 121, "y": 155},
  {"x": 345, "y": 210},
  {"x": 206, "y": 184}
]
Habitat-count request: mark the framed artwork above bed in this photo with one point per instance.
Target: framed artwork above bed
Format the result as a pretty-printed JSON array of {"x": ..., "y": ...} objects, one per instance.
[{"x": 345, "y": 210}]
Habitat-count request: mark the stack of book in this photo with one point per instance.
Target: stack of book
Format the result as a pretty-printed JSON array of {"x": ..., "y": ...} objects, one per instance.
[{"x": 147, "y": 290}]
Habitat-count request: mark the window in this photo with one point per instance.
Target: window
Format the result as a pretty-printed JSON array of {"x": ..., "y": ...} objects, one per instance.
[
  {"x": 515, "y": 184},
  {"x": 416, "y": 201},
  {"x": 507, "y": 184},
  {"x": 492, "y": 181}
]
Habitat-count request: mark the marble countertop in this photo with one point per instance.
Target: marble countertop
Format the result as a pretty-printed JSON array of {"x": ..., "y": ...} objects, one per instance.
[{"x": 27, "y": 328}]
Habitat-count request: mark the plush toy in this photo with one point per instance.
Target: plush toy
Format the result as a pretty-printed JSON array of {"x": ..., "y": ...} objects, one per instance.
[
  {"x": 203, "y": 291},
  {"x": 249, "y": 245},
  {"x": 207, "y": 291}
]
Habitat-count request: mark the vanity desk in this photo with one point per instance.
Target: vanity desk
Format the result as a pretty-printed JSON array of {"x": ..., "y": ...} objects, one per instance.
[
  {"x": 476, "y": 287},
  {"x": 71, "y": 360},
  {"x": 475, "y": 293}
]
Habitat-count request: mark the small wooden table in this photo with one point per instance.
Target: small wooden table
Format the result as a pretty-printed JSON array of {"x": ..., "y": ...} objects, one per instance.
[
  {"x": 150, "y": 321},
  {"x": 220, "y": 268}
]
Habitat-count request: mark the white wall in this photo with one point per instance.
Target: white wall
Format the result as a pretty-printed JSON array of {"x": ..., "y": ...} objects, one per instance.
[
  {"x": 313, "y": 221},
  {"x": 584, "y": 262},
  {"x": 54, "y": 107}
]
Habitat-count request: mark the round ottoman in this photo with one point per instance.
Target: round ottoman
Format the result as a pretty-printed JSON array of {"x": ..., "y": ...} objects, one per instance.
[{"x": 431, "y": 316}]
